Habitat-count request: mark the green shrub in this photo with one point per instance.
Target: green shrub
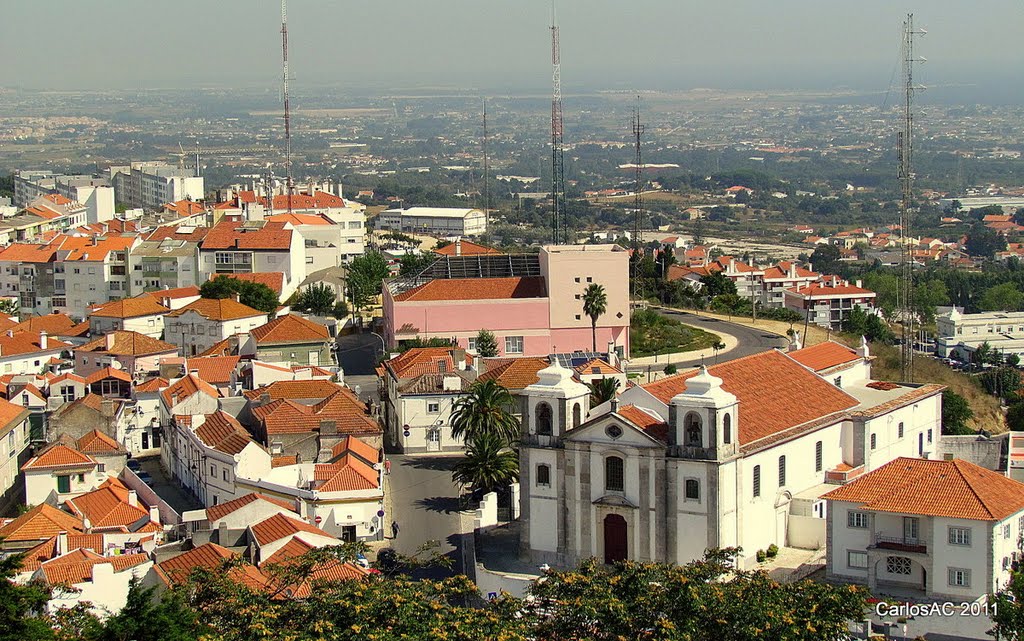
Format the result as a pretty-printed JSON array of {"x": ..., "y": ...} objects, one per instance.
[
  {"x": 773, "y": 551},
  {"x": 761, "y": 556}
]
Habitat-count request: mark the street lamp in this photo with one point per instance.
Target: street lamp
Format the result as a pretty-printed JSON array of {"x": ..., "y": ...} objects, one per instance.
[{"x": 383, "y": 345}]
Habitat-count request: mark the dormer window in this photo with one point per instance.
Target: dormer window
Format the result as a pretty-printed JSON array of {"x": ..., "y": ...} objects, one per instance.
[{"x": 692, "y": 426}]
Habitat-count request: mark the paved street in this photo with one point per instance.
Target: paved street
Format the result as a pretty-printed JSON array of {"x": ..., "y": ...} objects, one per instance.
[
  {"x": 425, "y": 503},
  {"x": 358, "y": 353},
  {"x": 167, "y": 489},
  {"x": 750, "y": 340}
]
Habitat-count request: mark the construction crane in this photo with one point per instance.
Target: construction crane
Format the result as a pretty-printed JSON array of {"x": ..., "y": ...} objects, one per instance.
[
  {"x": 559, "y": 231},
  {"x": 287, "y": 107}
]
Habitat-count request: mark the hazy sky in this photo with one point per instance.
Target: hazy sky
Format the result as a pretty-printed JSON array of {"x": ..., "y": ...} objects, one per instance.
[{"x": 78, "y": 44}]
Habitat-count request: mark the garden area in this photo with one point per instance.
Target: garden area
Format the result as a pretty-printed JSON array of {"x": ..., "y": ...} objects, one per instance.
[{"x": 651, "y": 333}]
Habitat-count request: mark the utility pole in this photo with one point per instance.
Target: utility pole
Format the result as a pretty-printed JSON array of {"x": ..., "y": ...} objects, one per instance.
[
  {"x": 638, "y": 200},
  {"x": 287, "y": 108},
  {"x": 559, "y": 232},
  {"x": 905, "y": 148}
]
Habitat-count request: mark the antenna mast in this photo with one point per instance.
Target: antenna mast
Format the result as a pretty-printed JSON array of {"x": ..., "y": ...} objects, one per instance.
[
  {"x": 487, "y": 191},
  {"x": 559, "y": 232},
  {"x": 905, "y": 148},
  {"x": 638, "y": 201},
  {"x": 287, "y": 108}
]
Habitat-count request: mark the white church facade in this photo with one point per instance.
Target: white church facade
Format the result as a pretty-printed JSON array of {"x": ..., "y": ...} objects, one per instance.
[{"x": 735, "y": 455}]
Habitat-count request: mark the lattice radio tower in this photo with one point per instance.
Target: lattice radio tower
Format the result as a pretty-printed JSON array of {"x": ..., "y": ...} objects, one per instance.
[
  {"x": 487, "y": 167},
  {"x": 638, "y": 198},
  {"x": 559, "y": 230},
  {"x": 905, "y": 153},
  {"x": 287, "y": 107}
]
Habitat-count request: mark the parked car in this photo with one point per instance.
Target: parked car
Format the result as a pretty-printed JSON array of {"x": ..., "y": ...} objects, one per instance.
[
  {"x": 146, "y": 478},
  {"x": 134, "y": 465}
]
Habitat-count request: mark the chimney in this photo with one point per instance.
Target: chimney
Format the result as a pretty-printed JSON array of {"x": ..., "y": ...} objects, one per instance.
[
  {"x": 133, "y": 498},
  {"x": 154, "y": 514},
  {"x": 615, "y": 404},
  {"x": 110, "y": 338},
  {"x": 62, "y": 543},
  {"x": 43, "y": 342},
  {"x": 264, "y": 399},
  {"x": 107, "y": 408},
  {"x": 732, "y": 265},
  {"x": 10, "y": 333},
  {"x": 328, "y": 428},
  {"x": 459, "y": 356},
  {"x": 613, "y": 357},
  {"x": 794, "y": 343},
  {"x": 859, "y": 281},
  {"x": 792, "y": 270},
  {"x": 458, "y": 246}
]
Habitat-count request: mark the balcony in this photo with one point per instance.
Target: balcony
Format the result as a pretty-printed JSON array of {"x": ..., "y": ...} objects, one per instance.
[{"x": 900, "y": 544}]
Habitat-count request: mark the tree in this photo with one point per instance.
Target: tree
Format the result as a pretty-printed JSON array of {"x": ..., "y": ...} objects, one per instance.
[
  {"x": 19, "y": 605},
  {"x": 1015, "y": 417},
  {"x": 1002, "y": 382},
  {"x": 1005, "y": 297},
  {"x": 255, "y": 295},
  {"x": 489, "y": 465},
  {"x": 318, "y": 298},
  {"x": 413, "y": 264},
  {"x": 982, "y": 241},
  {"x": 1007, "y": 608},
  {"x": 485, "y": 409},
  {"x": 366, "y": 276},
  {"x": 144, "y": 618},
  {"x": 486, "y": 344},
  {"x": 718, "y": 347},
  {"x": 825, "y": 258},
  {"x": 717, "y": 284},
  {"x": 670, "y": 369},
  {"x": 602, "y": 390},
  {"x": 595, "y": 303},
  {"x": 956, "y": 411},
  {"x": 982, "y": 354},
  {"x": 10, "y": 306}
]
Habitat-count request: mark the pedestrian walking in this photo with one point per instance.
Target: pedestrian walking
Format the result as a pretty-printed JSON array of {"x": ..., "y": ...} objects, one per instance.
[
  {"x": 394, "y": 529},
  {"x": 387, "y": 466}
]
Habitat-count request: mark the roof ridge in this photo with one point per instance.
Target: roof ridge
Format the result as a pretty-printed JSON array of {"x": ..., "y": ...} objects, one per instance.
[{"x": 970, "y": 486}]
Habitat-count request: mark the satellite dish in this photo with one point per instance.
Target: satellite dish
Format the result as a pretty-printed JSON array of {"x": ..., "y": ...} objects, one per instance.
[
  {"x": 358, "y": 390},
  {"x": 116, "y": 365}
]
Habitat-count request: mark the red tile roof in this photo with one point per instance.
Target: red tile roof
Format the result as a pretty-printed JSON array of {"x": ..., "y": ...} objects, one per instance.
[
  {"x": 295, "y": 390},
  {"x": 279, "y": 526},
  {"x": 781, "y": 271},
  {"x": 11, "y": 413},
  {"x": 652, "y": 425},
  {"x": 184, "y": 208},
  {"x": 154, "y": 384},
  {"x": 301, "y": 219},
  {"x": 361, "y": 449},
  {"x": 108, "y": 507},
  {"x": 26, "y": 342},
  {"x": 58, "y": 455},
  {"x": 185, "y": 387},
  {"x": 824, "y": 355},
  {"x": 819, "y": 289},
  {"x": 108, "y": 372},
  {"x": 288, "y": 417},
  {"x": 422, "y": 360},
  {"x": 290, "y": 329},
  {"x": 96, "y": 442},
  {"x": 213, "y": 369},
  {"x": 955, "y": 489},
  {"x": 477, "y": 289},
  {"x": 144, "y": 305},
  {"x": 273, "y": 280},
  {"x": 217, "y": 512},
  {"x": 190, "y": 234},
  {"x": 319, "y": 200},
  {"x": 514, "y": 373},
  {"x": 465, "y": 248},
  {"x": 127, "y": 343},
  {"x": 40, "y": 522},
  {"x": 347, "y": 474},
  {"x": 209, "y": 556},
  {"x": 48, "y": 549},
  {"x": 77, "y": 566},
  {"x": 218, "y": 309},
  {"x": 597, "y": 366},
  {"x": 171, "y": 294},
  {"x": 223, "y": 432},
  {"x": 773, "y": 392},
  {"x": 230, "y": 235}
]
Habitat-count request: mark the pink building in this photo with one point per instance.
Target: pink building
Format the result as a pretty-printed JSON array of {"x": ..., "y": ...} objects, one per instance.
[{"x": 533, "y": 304}]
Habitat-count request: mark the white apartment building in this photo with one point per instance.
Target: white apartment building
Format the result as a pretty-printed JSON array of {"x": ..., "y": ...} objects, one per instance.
[
  {"x": 151, "y": 184},
  {"x": 142, "y": 314},
  {"x": 439, "y": 221},
  {"x": 93, "y": 193},
  {"x": 329, "y": 239},
  {"x": 778, "y": 278},
  {"x": 198, "y": 326},
  {"x": 943, "y": 529},
  {"x": 828, "y": 304},
  {"x": 254, "y": 247},
  {"x": 732, "y": 455},
  {"x": 960, "y": 334}
]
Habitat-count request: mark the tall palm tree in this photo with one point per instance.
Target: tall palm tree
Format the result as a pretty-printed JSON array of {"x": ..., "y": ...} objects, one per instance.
[
  {"x": 485, "y": 410},
  {"x": 595, "y": 303},
  {"x": 489, "y": 464},
  {"x": 602, "y": 390}
]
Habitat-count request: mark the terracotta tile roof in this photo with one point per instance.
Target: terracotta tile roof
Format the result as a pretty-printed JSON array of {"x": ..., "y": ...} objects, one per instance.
[
  {"x": 184, "y": 208},
  {"x": 190, "y": 234},
  {"x": 288, "y": 417},
  {"x": 362, "y": 449},
  {"x": 652, "y": 425},
  {"x": 597, "y": 366},
  {"x": 221, "y": 348},
  {"x": 301, "y": 219},
  {"x": 328, "y": 570},
  {"x": 422, "y": 360},
  {"x": 96, "y": 442},
  {"x": 171, "y": 294},
  {"x": 955, "y": 489},
  {"x": 437, "y": 383},
  {"x": 347, "y": 474},
  {"x": 222, "y": 309},
  {"x": 77, "y": 566},
  {"x": 824, "y": 355},
  {"x": 154, "y": 384},
  {"x": 48, "y": 549},
  {"x": 185, "y": 387},
  {"x": 290, "y": 329},
  {"x": 107, "y": 372},
  {"x": 282, "y": 461},
  {"x": 107, "y": 506},
  {"x": 210, "y": 556},
  {"x": 128, "y": 344},
  {"x": 273, "y": 280},
  {"x": 319, "y": 200},
  {"x": 144, "y": 305},
  {"x": 466, "y": 248},
  {"x": 231, "y": 235},
  {"x": 477, "y": 289},
  {"x": 223, "y": 432},
  {"x": 11, "y": 413},
  {"x": 58, "y": 455},
  {"x": 29, "y": 253},
  {"x": 26, "y": 342},
  {"x": 213, "y": 369},
  {"x": 294, "y": 390},
  {"x": 279, "y": 526},
  {"x": 820, "y": 289},
  {"x": 781, "y": 271},
  {"x": 41, "y": 522},
  {"x": 217, "y": 512},
  {"x": 96, "y": 248},
  {"x": 775, "y": 393},
  {"x": 6, "y": 322}
]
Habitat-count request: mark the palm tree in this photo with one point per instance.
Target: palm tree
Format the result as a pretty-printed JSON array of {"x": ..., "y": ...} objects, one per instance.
[
  {"x": 489, "y": 464},
  {"x": 485, "y": 411},
  {"x": 595, "y": 303},
  {"x": 602, "y": 390}
]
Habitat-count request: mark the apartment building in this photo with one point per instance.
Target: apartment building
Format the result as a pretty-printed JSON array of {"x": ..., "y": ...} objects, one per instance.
[
  {"x": 960, "y": 334},
  {"x": 829, "y": 303},
  {"x": 196, "y": 327},
  {"x": 254, "y": 247},
  {"x": 95, "y": 194},
  {"x": 148, "y": 185}
]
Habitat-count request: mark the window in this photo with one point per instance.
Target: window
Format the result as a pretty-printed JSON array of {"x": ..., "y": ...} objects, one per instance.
[
  {"x": 10, "y": 443},
  {"x": 224, "y": 474},
  {"x": 613, "y": 474},
  {"x": 544, "y": 475},
  {"x": 897, "y": 565},
  {"x": 782, "y": 471},
  {"x": 63, "y": 484},
  {"x": 309, "y": 260},
  {"x": 856, "y": 519},
  {"x": 838, "y": 382},
  {"x": 543, "y": 415},
  {"x": 577, "y": 415},
  {"x": 958, "y": 577},
  {"x": 899, "y": 430},
  {"x": 817, "y": 457},
  {"x": 757, "y": 480},
  {"x": 81, "y": 478},
  {"x": 213, "y": 470},
  {"x": 874, "y": 441},
  {"x": 727, "y": 429},
  {"x": 433, "y": 408},
  {"x": 471, "y": 344},
  {"x": 959, "y": 536},
  {"x": 513, "y": 344},
  {"x": 1006, "y": 531},
  {"x": 693, "y": 489},
  {"x": 857, "y": 560},
  {"x": 929, "y": 436},
  {"x": 693, "y": 425}
]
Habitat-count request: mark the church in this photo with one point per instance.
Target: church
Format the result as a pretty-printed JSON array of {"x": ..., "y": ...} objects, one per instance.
[{"x": 733, "y": 455}]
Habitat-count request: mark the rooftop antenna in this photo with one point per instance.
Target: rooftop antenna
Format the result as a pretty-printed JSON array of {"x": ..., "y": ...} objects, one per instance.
[
  {"x": 638, "y": 199},
  {"x": 287, "y": 108},
  {"x": 559, "y": 233},
  {"x": 904, "y": 149},
  {"x": 487, "y": 191}
]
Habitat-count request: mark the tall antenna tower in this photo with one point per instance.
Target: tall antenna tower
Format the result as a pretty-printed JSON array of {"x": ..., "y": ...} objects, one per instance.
[
  {"x": 287, "y": 107},
  {"x": 559, "y": 232},
  {"x": 638, "y": 200},
  {"x": 487, "y": 190},
  {"x": 905, "y": 153}
]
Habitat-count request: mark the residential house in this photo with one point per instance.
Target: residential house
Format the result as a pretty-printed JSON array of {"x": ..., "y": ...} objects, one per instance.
[
  {"x": 135, "y": 353},
  {"x": 112, "y": 416},
  {"x": 328, "y": 240},
  {"x": 290, "y": 339},
  {"x": 829, "y": 304},
  {"x": 84, "y": 577},
  {"x": 253, "y": 247},
  {"x": 112, "y": 507},
  {"x": 226, "y": 522},
  {"x": 199, "y": 325},
  {"x": 14, "y": 452},
  {"x": 35, "y": 526},
  {"x": 176, "y": 298},
  {"x": 25, "y": 352},
  {"x": 60, "y": 472},
  {"x": 947, "y": 530},
  {"x": 142, "y": 314},
  {"x": 785, "y": 275},
  {"x": 167, "y": 258}
]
